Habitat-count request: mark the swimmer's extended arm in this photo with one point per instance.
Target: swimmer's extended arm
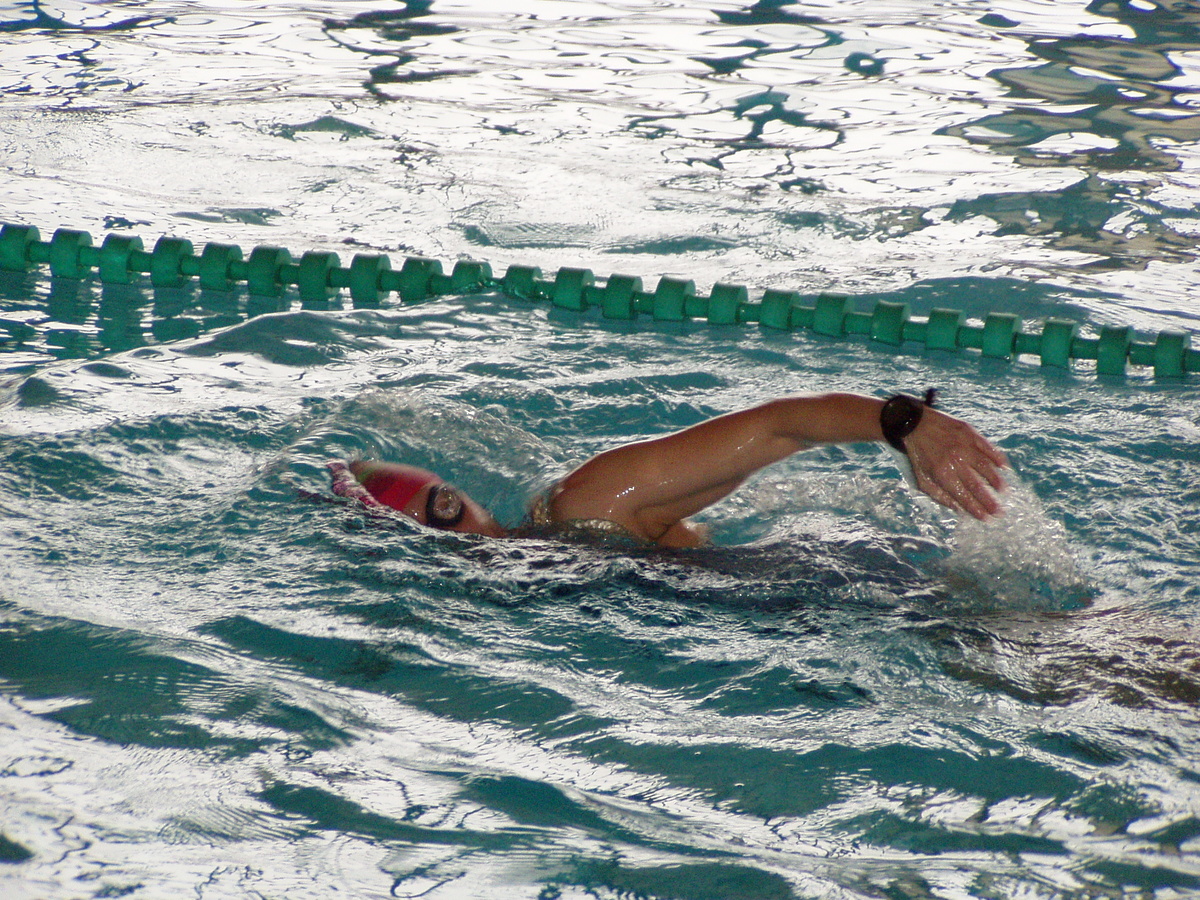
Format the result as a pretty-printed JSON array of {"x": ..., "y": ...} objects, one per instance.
[{"x": 651, "y": 486}]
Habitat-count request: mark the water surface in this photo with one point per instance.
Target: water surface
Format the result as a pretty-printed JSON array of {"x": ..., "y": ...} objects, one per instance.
[{"x": 217, "y": 681}]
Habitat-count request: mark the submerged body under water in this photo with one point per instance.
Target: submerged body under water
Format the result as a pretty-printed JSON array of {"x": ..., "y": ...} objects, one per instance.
[
  {"x": 212, "y": 686},
  {"x": 820, "y": 559}
]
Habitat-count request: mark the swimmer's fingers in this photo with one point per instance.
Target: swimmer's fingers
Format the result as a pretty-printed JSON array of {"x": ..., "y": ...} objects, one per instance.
[
  {"x": 935, "y": 491},
  {"x": 993, "y": 456},
  {"x": 953, "y": 483}
]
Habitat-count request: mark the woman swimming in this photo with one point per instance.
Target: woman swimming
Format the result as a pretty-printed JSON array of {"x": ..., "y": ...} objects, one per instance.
[{"x": 648, "y": 489}]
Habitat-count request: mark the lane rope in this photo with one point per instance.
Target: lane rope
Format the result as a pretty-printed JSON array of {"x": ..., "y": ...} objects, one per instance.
[{"x": 269, "y": 271}]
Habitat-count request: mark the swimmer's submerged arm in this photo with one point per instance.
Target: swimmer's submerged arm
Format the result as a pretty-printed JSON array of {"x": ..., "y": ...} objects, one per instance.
[{"x": 650, "y": 486}]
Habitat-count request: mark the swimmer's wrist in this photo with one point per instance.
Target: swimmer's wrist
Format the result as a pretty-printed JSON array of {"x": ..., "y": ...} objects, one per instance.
[{"x": 901, "y": 414}]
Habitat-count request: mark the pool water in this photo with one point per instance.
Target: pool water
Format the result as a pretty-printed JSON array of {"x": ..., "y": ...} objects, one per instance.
[{"x": 218, "y": 681}]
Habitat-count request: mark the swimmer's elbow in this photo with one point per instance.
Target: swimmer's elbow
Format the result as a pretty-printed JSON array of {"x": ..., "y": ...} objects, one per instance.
[{"x": 685, "y": 534}]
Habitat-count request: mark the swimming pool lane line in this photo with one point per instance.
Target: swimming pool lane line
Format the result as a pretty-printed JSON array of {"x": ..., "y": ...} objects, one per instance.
[{"x": 319, "y": 275}]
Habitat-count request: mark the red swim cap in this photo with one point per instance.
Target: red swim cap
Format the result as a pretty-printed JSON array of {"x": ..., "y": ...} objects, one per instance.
[{"x": 392, "y": 484}]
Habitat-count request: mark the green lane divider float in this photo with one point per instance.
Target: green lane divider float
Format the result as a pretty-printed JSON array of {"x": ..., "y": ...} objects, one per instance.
[{"x": 319, "y": 276}]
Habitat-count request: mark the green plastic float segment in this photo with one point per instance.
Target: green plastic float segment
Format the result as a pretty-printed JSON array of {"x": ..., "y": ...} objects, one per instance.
[
  {"x": 999, "y": 332},
  {"x": 1113, "y": 350},
  {"x": 1027, "y": 344},
  {"x": 438, "y": 285},
  {"x": 1058, "y": 335},
  {"x": 263, "y": 271},
  {"x": 1191, "y": 361},
  {"x": 116, "y": 256},
  {"x": 726, "y": 303},
  {"x": 857, "y": 323},
  {"x": 695, "y": 306},
  {"x": 141, "y": 261},
  {"x": 15, "y": 243},
  {"x": 39, "y": 253},
  {"x": 521, "y": 282},
  {"x": 365, "y": 281},
  {"x": 941, "y": 330},
  {"x": 802, "y": 317},
  {"x": 312, "y": 278},
  {"x": 593, "y": 295},
  {"x": 66, "y": 247},
  {"x": 775, "y": 310},
  {"x": 1141, "y": 353},
  {"x": 166, "y": 261},
  {"x": 915, "y": 330},
  {"x": 339, "y": 278},
  {"x": 887, "y": 322},
  {"x": 1170, "y": 351},
  {"x": 416, "y": 278},
  {"x": 386, "y": 280},
  {"x": 829, "y": 315},
  {"x": 1085, "y": 348},
  {"x": 216, "y": 267},
  {"x": 469, "y": 276},
  {"x": 289, "y": 273},
  {"x": 189, "y": 265},
  {"x": 619, "y": 298},
  {"x": 670, "y": 298},
  {"x": 568, "y": 290},
  {"x": 643, "y": 302},
  {"x": 970, "y": 337}
]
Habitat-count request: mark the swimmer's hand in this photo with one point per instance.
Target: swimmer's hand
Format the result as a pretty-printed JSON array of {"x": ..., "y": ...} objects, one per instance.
[
  {"x": 955, "y": 465},
  {"x": 347, "y": 486}
]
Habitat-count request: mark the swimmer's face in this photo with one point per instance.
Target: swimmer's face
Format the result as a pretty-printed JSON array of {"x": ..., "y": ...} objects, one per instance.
[
  {"x": 443, "y": 506},
  {"x": 425, "y": 497}
]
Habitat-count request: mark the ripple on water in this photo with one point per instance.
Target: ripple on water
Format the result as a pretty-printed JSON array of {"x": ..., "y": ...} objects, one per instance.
[{"x": 208, "y": 660}]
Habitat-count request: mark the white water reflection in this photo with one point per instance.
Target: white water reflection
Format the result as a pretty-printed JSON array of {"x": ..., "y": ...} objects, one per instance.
[{"x": 811, "y": 149}]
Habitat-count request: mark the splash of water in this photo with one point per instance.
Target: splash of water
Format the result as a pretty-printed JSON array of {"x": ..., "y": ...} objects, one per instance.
[{"x": 1021, "y": 559}]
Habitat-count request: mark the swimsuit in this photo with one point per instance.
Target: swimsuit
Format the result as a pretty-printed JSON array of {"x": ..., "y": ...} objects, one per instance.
[{"x": 540, "y": 524}]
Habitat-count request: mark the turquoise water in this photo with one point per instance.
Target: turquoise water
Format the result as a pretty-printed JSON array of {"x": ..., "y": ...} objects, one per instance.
[{"x": 216, "y": 683}]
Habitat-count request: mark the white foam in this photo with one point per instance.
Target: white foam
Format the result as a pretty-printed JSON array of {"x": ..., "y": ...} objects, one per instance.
[{"x": 1021, "y": 559}]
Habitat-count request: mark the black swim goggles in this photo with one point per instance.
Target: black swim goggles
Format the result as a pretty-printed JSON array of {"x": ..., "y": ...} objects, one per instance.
[{"x": 444, "y": 507}]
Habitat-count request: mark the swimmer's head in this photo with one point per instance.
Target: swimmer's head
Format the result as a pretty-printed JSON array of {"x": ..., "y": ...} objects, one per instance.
[{"x": 424, "y": 496}]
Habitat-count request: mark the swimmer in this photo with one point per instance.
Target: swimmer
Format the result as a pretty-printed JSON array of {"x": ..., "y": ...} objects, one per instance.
[{"x": 648, "y": 489}]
